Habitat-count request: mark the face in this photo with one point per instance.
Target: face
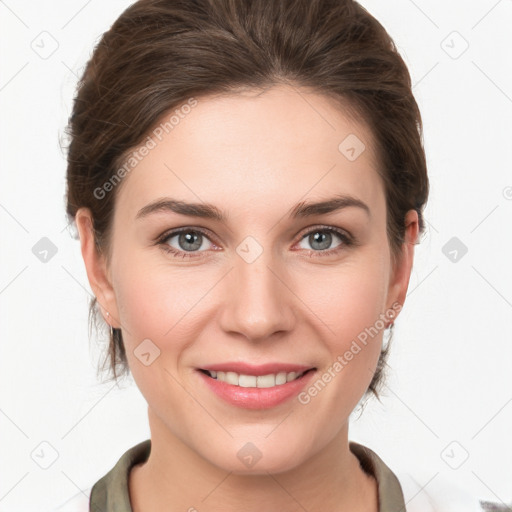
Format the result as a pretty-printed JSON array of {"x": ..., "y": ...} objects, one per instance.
[{"x": 252, "y": 281}]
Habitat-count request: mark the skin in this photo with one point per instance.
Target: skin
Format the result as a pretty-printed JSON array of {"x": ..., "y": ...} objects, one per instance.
[{"x": 254, "y": 156}]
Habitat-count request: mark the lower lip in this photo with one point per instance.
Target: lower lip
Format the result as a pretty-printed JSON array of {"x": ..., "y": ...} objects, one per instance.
[{"x": 257, "y": 398}]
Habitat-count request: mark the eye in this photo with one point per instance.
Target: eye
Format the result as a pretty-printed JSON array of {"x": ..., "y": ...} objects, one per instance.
[
  {"x": 187, "y": 241},
  {"x": 321, "y": 238}
]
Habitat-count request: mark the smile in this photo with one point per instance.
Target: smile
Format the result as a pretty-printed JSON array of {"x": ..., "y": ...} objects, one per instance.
[
  {"x": 256, "y": 387},
  {"x": 255, "y": 381}
]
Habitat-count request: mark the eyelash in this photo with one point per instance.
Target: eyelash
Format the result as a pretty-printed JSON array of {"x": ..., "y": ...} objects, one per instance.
[{"x": 346, "y": 239}]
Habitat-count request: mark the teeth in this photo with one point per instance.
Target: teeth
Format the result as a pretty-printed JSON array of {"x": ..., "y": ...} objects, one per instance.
[
  {"x": 266, "y": 381},
  {"x": 231, "y": 378},
  {"x": 280, "y": 378},
  {"x": 253, "y": 381},
  {"x": 244, "y": 381}
]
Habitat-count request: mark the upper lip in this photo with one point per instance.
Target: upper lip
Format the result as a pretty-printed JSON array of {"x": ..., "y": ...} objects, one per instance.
[{"x": 262, "y": 369}]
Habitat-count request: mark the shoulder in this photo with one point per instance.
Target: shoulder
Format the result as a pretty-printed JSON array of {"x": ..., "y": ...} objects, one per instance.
[
  {"x": 435, "y": 493},
  {"x": 77, "y": 503},
  {"x": 420, "y": 491},
  {"x": 113, "y": 485}
]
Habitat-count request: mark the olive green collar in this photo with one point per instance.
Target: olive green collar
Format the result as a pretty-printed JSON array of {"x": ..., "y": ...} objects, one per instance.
[{"x": 111, "y": 494}]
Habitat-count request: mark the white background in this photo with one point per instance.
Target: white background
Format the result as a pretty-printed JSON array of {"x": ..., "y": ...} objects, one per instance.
[{"x": 451, "y": 359}]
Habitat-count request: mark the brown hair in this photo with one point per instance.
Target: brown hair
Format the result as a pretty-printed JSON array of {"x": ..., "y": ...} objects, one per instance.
[{"x": 160, "y": 53}]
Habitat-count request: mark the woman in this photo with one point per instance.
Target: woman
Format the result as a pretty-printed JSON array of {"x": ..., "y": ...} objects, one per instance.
[{"x": 248, "y": 180}]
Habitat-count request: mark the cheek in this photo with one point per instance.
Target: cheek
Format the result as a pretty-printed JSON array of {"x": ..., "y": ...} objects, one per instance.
[
  {"x": 350, "y": 299},
  {"x": 352, "y": 308},
  {"x": 153, "y": 305},
  {"x": 157, "y": 302},
  {"x": 139, "y": 305},
  {"x": 351, "y": 305}
]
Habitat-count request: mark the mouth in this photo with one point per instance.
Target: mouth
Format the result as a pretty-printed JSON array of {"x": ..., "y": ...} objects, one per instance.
[
  {"x": 245, "y": 380},
  {"x": 256, "y": 387}
]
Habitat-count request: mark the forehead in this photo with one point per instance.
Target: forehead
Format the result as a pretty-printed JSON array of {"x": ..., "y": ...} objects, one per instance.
[{"x": 255, "y": 149}]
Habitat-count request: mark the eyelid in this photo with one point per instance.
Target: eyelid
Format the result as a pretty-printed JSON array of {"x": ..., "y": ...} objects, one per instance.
[{"x": 322, "y": 227}]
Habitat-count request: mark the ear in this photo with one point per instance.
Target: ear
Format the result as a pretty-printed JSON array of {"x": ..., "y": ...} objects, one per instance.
[
  {"x": 97, "y": 268},
  {"x": 401, "y": 271}
]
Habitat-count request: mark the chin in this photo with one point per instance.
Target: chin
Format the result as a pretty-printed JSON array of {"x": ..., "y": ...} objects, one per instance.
[{"x": 258, "y": 457}]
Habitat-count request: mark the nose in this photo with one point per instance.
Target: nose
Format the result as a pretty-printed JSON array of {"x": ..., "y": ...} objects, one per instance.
[{"x": 259, "y": 301}]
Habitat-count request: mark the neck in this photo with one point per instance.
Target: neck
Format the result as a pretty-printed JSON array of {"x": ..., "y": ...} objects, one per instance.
[{"x": 175, "y": 477}]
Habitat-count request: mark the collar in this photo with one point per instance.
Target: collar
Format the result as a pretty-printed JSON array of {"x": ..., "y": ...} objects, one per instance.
[{"x": 111, "y": 494}]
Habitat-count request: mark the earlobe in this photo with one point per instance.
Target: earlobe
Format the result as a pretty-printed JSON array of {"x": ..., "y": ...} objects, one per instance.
[
  {"x": 401, "y": 273},
  {"x": 96, "y": 268}
]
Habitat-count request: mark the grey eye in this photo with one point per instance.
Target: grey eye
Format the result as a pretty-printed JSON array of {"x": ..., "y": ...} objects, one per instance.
[
  {"x": 188, "y": 241},
  {"x": 320, "y": 239}
]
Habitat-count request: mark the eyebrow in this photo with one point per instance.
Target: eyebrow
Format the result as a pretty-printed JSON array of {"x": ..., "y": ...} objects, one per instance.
[{"x": 210, "y": 211}]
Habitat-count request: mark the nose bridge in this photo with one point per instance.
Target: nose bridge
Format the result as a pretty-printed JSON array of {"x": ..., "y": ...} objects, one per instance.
[{"x": 258, "y": 303}]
